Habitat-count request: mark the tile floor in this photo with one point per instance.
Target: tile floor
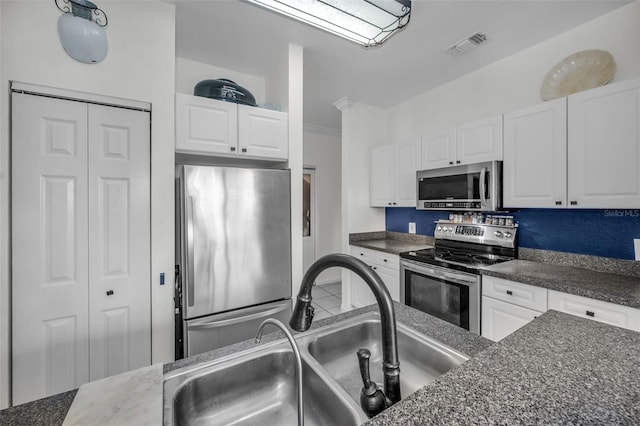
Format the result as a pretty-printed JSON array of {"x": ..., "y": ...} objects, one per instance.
[{"x": 327, "y": 299}]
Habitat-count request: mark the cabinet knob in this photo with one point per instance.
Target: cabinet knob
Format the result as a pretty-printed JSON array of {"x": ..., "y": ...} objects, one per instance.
[
  {"x": 558, "y": 203},
  {"x": 109, "y": 292},
  {"x": 394, "y": 204},
  {"x": 574, "y": 203},
  {"x": 590, "y": 314},
  {"x": 244, "y": 149},
  {"x": 450, "y": 162},
  {"x": 457, "y": 161},
  {"x": 233, "y": 148},
  {"x": 509, "y": 292}
]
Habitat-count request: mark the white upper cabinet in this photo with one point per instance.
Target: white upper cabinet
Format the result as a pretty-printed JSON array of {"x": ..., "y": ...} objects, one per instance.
[
  {"x": 535, "y": 156},
  {"x": 468, "y": 143},
  {"x": 604, "y": 147},
  {"x": 381, "y": 181},
  {"x": 212, "y": 127},
  {"x": 439, "y": 149},
  {"x": 262, "y": 132},
  {"x": 205, "y": 126},
  {"x": 407, "y": 161},
  {"x": 393, "y": 175},
  {"x": 582, "y": 151},
  {"x": 479, "y": 141}
]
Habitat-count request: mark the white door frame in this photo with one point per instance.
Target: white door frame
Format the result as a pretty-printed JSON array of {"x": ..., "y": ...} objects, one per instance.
[{"x": 309, "y": 243}]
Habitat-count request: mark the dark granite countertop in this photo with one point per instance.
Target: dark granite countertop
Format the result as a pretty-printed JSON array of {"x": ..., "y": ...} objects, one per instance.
[
  {"x": 391, "y": 242},
  {"x": 558, "y": 369},
  {"x": 619, "y": 289}
]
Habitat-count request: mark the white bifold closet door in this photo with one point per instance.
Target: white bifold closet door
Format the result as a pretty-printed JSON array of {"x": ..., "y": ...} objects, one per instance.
[{"x": 80, "y": 244}]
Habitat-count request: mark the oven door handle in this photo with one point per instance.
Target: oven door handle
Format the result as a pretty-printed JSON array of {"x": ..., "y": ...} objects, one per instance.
[
  {"x": 483, "y": 186},
  {"x": 442, "y": 274},
  {"x": 459, "y": 279}
]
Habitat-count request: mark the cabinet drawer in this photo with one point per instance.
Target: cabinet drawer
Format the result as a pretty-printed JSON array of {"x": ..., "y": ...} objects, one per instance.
[
  {"x": 366, "y": 255},
  {"x": 609, "y": 313},
  {"x": 387, "y": 260},
  {"x": 520, "y": 294},
  {"x": 500, "y": 319}
]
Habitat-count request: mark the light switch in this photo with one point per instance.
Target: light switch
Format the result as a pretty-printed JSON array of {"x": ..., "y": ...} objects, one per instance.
[
  {"x": 636, "y": 247},
  {"x": 412, "y": 227}
]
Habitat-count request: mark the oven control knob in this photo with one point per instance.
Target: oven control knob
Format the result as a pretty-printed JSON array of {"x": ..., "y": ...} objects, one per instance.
[
  {"x": 439, "y": 228},
  {"x": 450, "y": 229},
  {"x": 508, "y": 234},
  {"x": 498, "y": 234}
]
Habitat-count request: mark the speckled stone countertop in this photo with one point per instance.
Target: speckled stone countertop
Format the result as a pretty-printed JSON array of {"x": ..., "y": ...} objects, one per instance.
[
  {"x": 558, "y": 369},
  {"x": 619, "y": 289},
  {"x": 391, "y": 242}
]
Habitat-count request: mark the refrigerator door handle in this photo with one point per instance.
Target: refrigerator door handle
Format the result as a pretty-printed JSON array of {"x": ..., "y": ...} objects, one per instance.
[
  {"x": 189, "y": 271},
  {"x": 232, "y": 321}
]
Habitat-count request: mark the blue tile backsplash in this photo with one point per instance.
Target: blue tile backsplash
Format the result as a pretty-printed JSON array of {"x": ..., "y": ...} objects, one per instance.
[{"x": 607, "y": 233}]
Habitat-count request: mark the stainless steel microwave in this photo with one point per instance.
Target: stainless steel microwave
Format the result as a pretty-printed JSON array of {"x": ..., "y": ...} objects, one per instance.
[{"x": 470, "y": 187}]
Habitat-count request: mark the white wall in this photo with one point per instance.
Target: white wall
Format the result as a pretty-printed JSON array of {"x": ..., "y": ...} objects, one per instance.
[
  {"x": 294, "y": 105},
  {"x": 189, "y": 73},
  {"x": 363, "y": 127},
  {"x": 514, "y": 82},
  {"x": 139, "y": 66},
  {"x": 322, "y": 151}
]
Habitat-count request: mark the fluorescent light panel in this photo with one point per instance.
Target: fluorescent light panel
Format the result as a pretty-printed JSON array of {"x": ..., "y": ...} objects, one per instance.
[{"x": 367, "y": 22}]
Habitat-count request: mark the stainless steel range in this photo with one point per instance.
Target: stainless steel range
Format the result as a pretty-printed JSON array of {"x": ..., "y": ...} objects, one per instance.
[{"x": 444, "y": 281}]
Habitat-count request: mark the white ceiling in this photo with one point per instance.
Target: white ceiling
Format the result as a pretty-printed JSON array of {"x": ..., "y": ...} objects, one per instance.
[{"x": 242, "y": 37}]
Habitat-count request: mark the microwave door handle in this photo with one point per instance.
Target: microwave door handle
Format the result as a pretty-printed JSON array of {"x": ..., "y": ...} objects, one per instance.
[{"x": 483, "y": 186}]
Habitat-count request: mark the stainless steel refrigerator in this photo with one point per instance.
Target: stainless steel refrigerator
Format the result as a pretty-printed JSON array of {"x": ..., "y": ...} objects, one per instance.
[{"x": 233, "y": 254}]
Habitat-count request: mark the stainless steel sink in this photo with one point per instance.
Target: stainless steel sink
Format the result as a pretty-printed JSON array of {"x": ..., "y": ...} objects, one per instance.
[
  {"x": 422, "y": 360},
  {"x": 257, "y": 387}
]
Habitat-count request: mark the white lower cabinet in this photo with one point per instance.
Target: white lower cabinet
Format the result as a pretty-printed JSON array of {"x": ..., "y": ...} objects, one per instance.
[
  {"x": 385, "y": 265},
  {"x": 500, "y": 319},
  {"x": 597, "y": 310},
  {"x": 508, "y": 305}
]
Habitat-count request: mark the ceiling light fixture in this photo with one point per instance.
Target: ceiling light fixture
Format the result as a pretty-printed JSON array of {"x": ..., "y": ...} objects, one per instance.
[
  {"x": 367, "y": 22},
  {"x": 81, "y": 30}
]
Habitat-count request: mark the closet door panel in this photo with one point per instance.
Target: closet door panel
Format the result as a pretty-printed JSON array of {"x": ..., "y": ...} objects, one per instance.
[
  {"x": 50, "y": 346},
  {"x": 119, "y": 237}
]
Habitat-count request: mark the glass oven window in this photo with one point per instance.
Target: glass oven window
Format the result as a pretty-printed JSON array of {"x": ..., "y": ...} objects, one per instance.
[{"x": 438, "y": 297}]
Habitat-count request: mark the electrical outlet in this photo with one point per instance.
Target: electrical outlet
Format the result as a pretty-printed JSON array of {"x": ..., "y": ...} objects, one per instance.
[
  {"x": 412, "y": 228},
  {"x": 636, "y": 247}
]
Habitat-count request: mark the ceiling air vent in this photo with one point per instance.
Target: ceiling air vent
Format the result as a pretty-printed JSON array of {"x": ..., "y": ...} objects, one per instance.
[{"x": 467, "y": 44}]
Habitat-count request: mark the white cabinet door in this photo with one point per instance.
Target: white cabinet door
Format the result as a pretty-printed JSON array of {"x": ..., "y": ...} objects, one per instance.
[
  {"x": 119, "y": 235},
  {"x": 438, "y": 149},
  {"x": 263, "y": 133},
  {"x": 50, "y": 337},
  {"x": 499, "y": 319},
  {"x": 381, "y": 186},
  {"x": 535, "y": 156},
  {"x": 479, "y": 141},
  {"x": 361, "y": 294},
  {"x": 407, "y": 161},
  {"x": 206, "y": 125},
  {"x": 81, "y": 244},
  {"x": 391, "y": 279},
  {"x": 604, "y": 147}
]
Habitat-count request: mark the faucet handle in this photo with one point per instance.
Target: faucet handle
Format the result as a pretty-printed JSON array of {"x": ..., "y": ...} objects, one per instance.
[{"x": 372, "y": 398}]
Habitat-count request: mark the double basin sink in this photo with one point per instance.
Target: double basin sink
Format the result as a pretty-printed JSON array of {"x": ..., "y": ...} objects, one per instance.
[{"x": 258, "y": 387}]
